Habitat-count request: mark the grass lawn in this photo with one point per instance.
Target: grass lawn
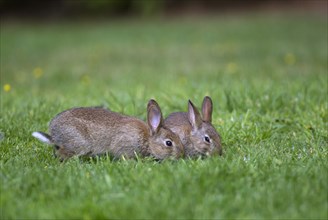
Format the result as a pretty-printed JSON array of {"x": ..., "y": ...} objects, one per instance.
[{"x": 266, "y": 74}]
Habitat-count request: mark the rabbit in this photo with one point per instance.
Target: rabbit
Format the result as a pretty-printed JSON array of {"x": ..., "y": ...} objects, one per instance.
[
  {"x": 92, "y": 131},
  {"x": 197, "y": 133}
]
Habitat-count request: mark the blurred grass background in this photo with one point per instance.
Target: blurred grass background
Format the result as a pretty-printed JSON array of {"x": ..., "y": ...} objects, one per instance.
[{"x": 266, "y": 72}]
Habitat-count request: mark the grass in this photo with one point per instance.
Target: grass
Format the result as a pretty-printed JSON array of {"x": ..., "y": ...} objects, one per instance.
[{"x": 266, "y": 74}]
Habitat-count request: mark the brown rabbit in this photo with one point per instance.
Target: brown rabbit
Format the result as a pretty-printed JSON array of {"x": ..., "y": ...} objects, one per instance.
[
  {"x": 197, "y": 133},
  {"x": 93, "y": 131}
]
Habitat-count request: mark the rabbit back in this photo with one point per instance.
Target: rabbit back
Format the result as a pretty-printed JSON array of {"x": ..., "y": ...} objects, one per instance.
[{"x": 94, "y": 131}]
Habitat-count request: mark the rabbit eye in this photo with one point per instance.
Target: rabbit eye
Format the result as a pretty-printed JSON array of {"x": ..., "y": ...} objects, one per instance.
[
  {"x": 207, "y": 139},
  {"x": 168, "y": 143}
]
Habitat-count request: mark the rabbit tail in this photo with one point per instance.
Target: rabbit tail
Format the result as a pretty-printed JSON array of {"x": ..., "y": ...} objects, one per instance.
[{"x": 44, "y": 137}]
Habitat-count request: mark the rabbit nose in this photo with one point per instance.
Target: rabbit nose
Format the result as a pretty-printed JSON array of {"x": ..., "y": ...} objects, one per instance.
[
  {"x": 206, "y": 149},
  {"x": 217, "y": 151}
]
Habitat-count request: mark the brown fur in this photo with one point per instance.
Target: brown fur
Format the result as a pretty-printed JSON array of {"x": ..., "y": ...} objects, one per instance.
[
  {"x": 94, "y": 131},
  {"x": 192, "y": 128}
]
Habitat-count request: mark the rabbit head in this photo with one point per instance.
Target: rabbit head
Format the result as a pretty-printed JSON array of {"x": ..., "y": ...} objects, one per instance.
[
  {"x": 163, "y": 143},
  {"x": 204, "y": 139}
]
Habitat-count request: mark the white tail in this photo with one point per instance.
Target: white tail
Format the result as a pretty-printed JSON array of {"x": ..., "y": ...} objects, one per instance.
[{"x": 42, "y": 137}]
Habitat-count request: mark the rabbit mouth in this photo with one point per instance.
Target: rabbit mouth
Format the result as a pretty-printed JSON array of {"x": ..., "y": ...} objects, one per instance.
[
  {"x": 203, "y": 150},
  {"x": 158, "y": 160},
  {"x": 203, "y": 153}
]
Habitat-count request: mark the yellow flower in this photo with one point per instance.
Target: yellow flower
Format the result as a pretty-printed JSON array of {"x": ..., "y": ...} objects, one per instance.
[
  {"x": 231, "y": 67},
  {"x": 7, "y": 87},
  {"x": 182, "y": 80},
  {"x": 220, "y": 121},
  {"x": 85, "y": 79},
  {"x": 290, "y": 59},
  {"x": 37, "y": 72}
]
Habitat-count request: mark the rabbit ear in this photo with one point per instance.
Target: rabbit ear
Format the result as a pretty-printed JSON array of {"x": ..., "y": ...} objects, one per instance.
[
  {"x": 193, "y": 114},
  {"x": 207, "y": 109},
  {"x": 154, "y": 117}
]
